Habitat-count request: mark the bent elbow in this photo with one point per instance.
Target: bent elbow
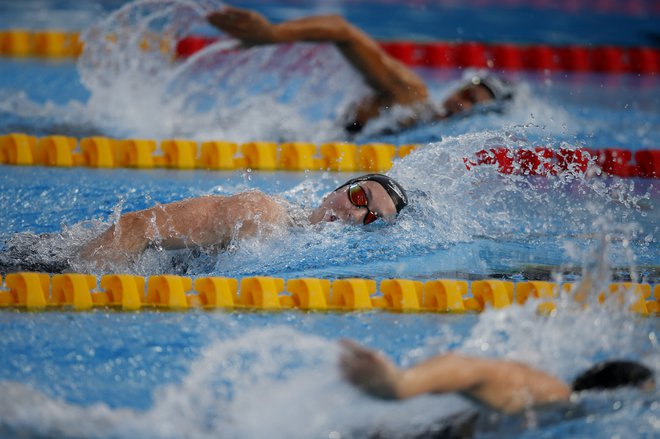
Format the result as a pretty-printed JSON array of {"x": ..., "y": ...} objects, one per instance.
[
  {"x": 338, "y": 21},
  {"x": 342, "y": 28}
]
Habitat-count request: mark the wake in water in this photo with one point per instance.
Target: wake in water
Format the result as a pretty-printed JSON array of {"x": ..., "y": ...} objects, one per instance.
[
  {"x": 291, "y": 92},
  {"x": 275, "y": 92},
  {"x": 137, "y": 87},
  {"x": 451, "y": 209},
  {"x": 282, "y": 382}
]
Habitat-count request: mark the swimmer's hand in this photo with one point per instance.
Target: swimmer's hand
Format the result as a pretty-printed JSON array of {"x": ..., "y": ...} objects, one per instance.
[
  {"x": 250, "y": 27},
  {"x": 370, "y": 371}
]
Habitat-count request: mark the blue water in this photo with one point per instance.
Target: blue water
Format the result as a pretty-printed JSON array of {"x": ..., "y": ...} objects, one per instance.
[
  {"x": 506, "y": 226},
  {"x": 580, "y": 22},
  {"x": 244, "y": 375}
]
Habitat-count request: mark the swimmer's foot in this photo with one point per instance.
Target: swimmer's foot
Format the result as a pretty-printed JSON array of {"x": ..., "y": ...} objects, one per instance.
[{"x": 28, "y": 252}]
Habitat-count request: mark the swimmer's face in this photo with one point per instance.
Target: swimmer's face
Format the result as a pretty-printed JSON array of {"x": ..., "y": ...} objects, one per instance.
[
  {"x": 337, "y": 206},
  {"x": 466, "y": 98}
]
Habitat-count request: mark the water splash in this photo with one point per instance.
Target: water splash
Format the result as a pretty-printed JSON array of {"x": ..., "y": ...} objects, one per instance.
[
  {"x": 263, "y": 381},
  {"x": 273, "y": 92},
  {"x": 256, "y": 381},
  {"x": 260, "y": 384},
  {"x": 456, "y": 219},
  {"x": 451, "y": 206}
]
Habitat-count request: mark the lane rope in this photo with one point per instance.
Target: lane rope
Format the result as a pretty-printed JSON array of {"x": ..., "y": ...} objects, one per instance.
[
  {"x": 50, "y": 43},
  {"x": 40, "y": 291},
  {"x": 103, "y": 152},
  {"x": 501, "y": 56}
]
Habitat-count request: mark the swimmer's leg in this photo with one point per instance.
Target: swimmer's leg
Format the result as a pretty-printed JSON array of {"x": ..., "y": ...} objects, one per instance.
[{"x": 30, "y": 252}]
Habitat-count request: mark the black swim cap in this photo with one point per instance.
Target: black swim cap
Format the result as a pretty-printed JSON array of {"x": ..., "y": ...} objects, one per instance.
[
  {"x": 612, "y": 374},
  {"x": 393, "y": 188}
]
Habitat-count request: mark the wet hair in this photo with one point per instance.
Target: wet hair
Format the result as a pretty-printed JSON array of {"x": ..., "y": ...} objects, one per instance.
[
  {"x": 393, "y": 188},
  {"x": 612, "y": 374}
]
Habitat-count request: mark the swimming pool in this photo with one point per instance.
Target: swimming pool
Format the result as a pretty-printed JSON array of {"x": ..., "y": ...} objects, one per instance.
[{"x": 242, "y": 374}]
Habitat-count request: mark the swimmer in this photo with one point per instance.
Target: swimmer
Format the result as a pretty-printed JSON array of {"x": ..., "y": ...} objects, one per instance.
[
  {"x": 504, "y": 386},
  {"x": 215, "y": 221},
  {"x": 392, "y": 82}
]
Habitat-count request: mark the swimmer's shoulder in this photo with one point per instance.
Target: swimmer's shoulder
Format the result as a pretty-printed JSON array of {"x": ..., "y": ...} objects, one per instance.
[
  {"x": 276, "y": 208},
  {"x": 297, "y": 216},
  {"x": 251, "y": 199}
]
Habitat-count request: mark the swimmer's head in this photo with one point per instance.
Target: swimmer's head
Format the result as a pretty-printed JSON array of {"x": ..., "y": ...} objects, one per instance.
[
  {"x": 613, "y": 374},
  {"x": 478, "y": 90},
  {"x": 362, "y": 200}
]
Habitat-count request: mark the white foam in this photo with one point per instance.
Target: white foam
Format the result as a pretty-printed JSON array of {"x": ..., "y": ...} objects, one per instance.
[
  {"x": 266, "y": 92},
  {"x": 273, "y": 382}
]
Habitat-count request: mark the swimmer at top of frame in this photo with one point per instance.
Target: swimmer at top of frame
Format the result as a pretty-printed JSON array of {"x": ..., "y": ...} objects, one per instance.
[{"x": 391, "y": 82}]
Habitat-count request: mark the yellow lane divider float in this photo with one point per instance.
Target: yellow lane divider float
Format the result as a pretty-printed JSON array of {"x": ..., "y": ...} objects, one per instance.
[
  {"x": 103, "y": 152},
  {"x": 40, "y": 291},
  {"x": 47, "y": 43}
]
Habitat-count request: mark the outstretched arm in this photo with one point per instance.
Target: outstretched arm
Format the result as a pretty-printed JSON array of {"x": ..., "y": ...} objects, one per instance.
[
  {"x": 392, "y": 81},
  {"x": 503, "y": 385},
  {"x": 374, "y": 373},
  {"x": 203, "y": 221}
]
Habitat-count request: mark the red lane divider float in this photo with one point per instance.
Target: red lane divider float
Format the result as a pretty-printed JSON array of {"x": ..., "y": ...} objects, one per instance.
[
  {"x": 610, "y": 59},
  {"x": 190, "y": 45},
  {"x": 545, "y": 161}
]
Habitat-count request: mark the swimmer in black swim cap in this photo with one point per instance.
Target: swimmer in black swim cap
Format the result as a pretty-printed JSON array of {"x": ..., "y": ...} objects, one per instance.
[
  {"x": 214, "y": 221},
  {"x": 391, "y": 82},
  {"x": 498, "y": 386},
  {"x": 502, "y": 385}
]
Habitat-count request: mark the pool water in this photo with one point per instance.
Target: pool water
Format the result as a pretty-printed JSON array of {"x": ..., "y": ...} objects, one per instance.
[{"x": 243, "y": 374}]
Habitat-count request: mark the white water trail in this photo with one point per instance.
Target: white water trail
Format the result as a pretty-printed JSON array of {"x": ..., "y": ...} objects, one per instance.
[
  {"x": 282, "y": 383},
  {"x": 267, "y": 92}
]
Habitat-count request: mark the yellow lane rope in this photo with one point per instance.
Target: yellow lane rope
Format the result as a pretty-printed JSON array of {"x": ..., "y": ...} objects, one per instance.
[
  {"x": 103, "y": 152},
  {"x": 43, "y": 43},
  {"x": 41, "y": 291}
]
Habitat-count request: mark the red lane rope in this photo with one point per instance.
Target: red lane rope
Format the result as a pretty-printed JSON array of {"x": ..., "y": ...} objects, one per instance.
[
  {"x": 610, "y": 59},
  {"x": 547, "y": 161}
]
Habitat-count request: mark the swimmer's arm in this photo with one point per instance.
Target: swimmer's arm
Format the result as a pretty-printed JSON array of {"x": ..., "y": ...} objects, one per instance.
[
  {"x": 376, "y": 375},
  {"x": 203, "y": 221},
  {"x": 393, "y": 82},
  {"x": 502, "y": 385}
]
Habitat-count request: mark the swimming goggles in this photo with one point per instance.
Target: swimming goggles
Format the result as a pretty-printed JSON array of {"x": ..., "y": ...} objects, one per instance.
[{"x": 358, "y": 198}]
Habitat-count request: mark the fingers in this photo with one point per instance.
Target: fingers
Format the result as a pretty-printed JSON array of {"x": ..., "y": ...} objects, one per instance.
[
  {"x": 352, "y": 357},
  {"x": 355, "y": 369},
  {"x": 248, "y": 26},
  {"x": 368, "y": 370},
  {"x": 357, "y": 362},
  {"x": 224, "y": 21},
  {"x": 229, "y": 16},
  {"x": 349, "y": 345},
  {"x": 354, "y": 348}
]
